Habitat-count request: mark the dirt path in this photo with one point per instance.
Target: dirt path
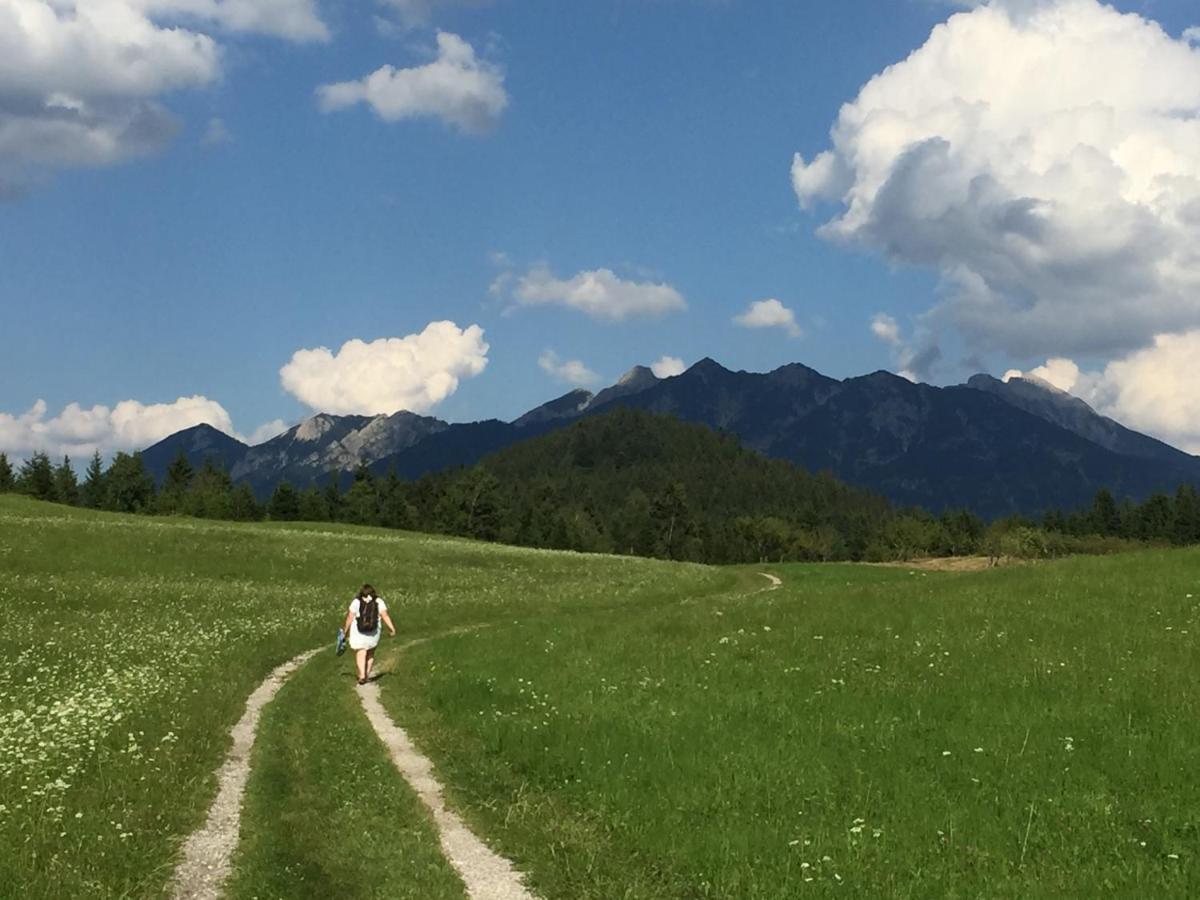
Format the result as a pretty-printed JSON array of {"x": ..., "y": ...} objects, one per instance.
[
  {"x": 487, "y": 876},
  {"x": 202, "y": 871},
  {"x": 775, "y": 580}
]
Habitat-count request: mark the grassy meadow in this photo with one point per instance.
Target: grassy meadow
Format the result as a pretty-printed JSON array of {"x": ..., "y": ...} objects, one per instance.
[{"x": 618, "y": 727}]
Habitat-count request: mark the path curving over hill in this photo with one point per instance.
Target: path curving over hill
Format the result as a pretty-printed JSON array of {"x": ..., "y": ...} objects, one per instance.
[
  {"x": 205, "y": 862},
  {"x": 775, "y": 580}
]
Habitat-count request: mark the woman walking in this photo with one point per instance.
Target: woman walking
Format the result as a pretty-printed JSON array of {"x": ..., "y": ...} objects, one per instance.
[{"x": 362, "y": 624}]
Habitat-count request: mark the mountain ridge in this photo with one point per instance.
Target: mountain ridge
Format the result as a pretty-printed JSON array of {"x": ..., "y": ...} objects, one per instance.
[{"x": 995, "y": 447}]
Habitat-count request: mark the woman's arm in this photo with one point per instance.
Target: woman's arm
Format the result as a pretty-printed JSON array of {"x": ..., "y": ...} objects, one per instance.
[
  {"x": 349, "y": 619},
  {"x": 387, "y": 620}
]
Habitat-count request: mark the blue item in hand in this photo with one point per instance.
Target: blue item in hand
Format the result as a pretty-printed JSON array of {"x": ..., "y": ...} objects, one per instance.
[{"x": 341, "y": 642}]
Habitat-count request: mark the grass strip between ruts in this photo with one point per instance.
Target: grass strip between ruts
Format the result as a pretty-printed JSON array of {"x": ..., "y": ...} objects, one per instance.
[{"x": 326, "y": 814}]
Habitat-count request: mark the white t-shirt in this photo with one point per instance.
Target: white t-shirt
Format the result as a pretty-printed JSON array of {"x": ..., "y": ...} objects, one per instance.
[{"x": 354, "y": 613}]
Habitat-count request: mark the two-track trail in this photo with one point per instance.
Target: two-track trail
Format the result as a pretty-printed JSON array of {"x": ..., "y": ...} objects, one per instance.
[
  {"x": 205, "y": 865},
  {"x": 486, "y": 874}
]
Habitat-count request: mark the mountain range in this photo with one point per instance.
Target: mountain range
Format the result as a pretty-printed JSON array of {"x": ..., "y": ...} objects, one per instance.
[{"x": 996, "y": 447}]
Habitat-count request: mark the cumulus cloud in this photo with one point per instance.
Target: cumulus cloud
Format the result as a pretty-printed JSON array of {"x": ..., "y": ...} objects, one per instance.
[
  {"x": 457, "y": 87},
  {"x": 769, "y": 314},
  {"x": 1042, "y": 157},
  {"x": 572, "y": 371},
  {"x": 598, "y": 293},
  {"x": 668, "y": 367},
  {"x": 1151, "y": 390},
  {"x": 885, "y": 328},
  {"x": 129, "y": 425},
  {"x": 81, "y": 81},
  {"x": 415, "y": 373}
]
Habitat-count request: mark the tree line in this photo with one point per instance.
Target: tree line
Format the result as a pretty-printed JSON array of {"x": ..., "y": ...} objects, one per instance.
[{"x": 629, "y": 483}]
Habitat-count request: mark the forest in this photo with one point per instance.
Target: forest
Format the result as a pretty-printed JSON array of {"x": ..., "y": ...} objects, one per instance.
[{"x": 627, "y": 482}]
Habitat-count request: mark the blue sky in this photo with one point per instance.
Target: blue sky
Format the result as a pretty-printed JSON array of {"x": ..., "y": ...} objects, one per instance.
[{"x": 651, "y": 138}]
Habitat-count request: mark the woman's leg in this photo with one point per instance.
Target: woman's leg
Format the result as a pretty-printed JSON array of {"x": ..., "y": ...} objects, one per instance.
[
  {"x": 370, "y": 662},
  {"x": 360, "y": 663}
]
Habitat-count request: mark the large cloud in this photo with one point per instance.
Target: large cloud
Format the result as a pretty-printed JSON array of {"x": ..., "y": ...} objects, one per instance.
[
  {"x": 129, "y": 425},
  {"x": 1045, "y": 158},
  {"x": 81, "y": 80},
  {"x": 458, "y": 87},
  {"x": 414, "y": 373},
  {"x": 1152, "y": 390},
  {"x": 598, "y": 293}
]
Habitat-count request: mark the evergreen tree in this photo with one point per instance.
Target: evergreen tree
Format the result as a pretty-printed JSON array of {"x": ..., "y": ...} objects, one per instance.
[
  {"x": 361, "y": 505},
  {"x": 394, "y": 508},
  {"x": 1104, "y": 517},
  {"x": 312, "y": 506},
  {"x": 7, "y": 480},
  {"x": 36, "y": 477},
  {"x": 94, "y": 489},
  {"x": 243, "y": 507},
  {"x": 66, "y": 485},
  {"x": 171, "y": 498},
  {"x": 672, "y": 520},
  {"x": 211, "y": 493},
  {"x": 1186, "y": 516},
  {"x": 333, "y": 497},
  {"x": 284, "y": 505},
  {"x": 130, "y": 488}
]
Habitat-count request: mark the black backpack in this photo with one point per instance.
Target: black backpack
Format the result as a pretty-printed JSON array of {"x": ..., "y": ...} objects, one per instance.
[{"x": 368, "y": 615}]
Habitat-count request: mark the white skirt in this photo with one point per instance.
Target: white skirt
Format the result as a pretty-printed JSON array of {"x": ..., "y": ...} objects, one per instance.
[{"x": 360, "y": 641}]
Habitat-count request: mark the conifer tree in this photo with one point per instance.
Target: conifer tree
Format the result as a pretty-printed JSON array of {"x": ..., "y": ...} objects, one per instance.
[
  {"x": 176, "y": 484},
  {"x": 284, "y": 505},
  {"x": 312, "y": 506},
  {"x": 243, "y": 505},
  {"x": 333, "y": 497},
  {"x": 36, "y": 477},
  {"x": 66, "y": 484},
  {"x": 7, "y": 480},
  {"x": 129, "y": 487},
  {"x": 92, "y": 494}
]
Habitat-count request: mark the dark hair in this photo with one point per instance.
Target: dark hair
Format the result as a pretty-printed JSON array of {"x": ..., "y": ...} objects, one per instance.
[{"x": 367, "y": 591}]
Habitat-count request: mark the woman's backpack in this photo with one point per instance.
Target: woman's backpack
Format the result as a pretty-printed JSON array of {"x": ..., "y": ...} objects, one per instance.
[{"x": 368, "y": 615}]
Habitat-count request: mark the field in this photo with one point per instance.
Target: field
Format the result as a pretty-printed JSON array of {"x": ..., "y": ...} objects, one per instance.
[{"x": 616, "y": 727}]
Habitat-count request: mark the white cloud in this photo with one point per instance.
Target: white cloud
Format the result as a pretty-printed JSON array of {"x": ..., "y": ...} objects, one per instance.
[
  {"x": 457, "y": 87},
  {"x": 1042, "y": 157},
  {"x": 129, "y": 425},
  {"x": 415, "y": 373},
  {"x": 1192, "y": 35},
  {"x": 266, "y": 431},
  {"x": 572, "y": 371},
  {"x": 885, "y": 328},
  {"x": 414, "y": 13},
  {"x": 667, "y": 367},
  {"x": 81, "y": 80},
  {"x": 598, "y": 293},
  {"x": 769, "y": 314},
  {"x": 1151, "y": 390}
]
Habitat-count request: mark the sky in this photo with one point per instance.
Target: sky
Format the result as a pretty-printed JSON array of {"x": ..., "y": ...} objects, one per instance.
[{"x": 244, "y": 211}]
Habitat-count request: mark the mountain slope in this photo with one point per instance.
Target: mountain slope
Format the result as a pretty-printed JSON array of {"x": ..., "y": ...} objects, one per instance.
[
  {"x": 1047, "y": 402},
  {"x": 199, "y": 443}
]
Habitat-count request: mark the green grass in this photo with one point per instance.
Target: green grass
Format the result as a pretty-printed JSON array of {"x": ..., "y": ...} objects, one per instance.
[
  {"x": 620, "y": 728},
  {"x": 131, "y": 643},
  {"x": 325, "y": 814},
  {"x": 1025, "y": 732}
]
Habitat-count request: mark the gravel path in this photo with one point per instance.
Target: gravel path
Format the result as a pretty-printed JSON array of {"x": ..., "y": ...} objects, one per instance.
[
  {"x": 487, "y": 876},
  {"x": 775, "y": 580},
  {"x": 202, "y": 871}
]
